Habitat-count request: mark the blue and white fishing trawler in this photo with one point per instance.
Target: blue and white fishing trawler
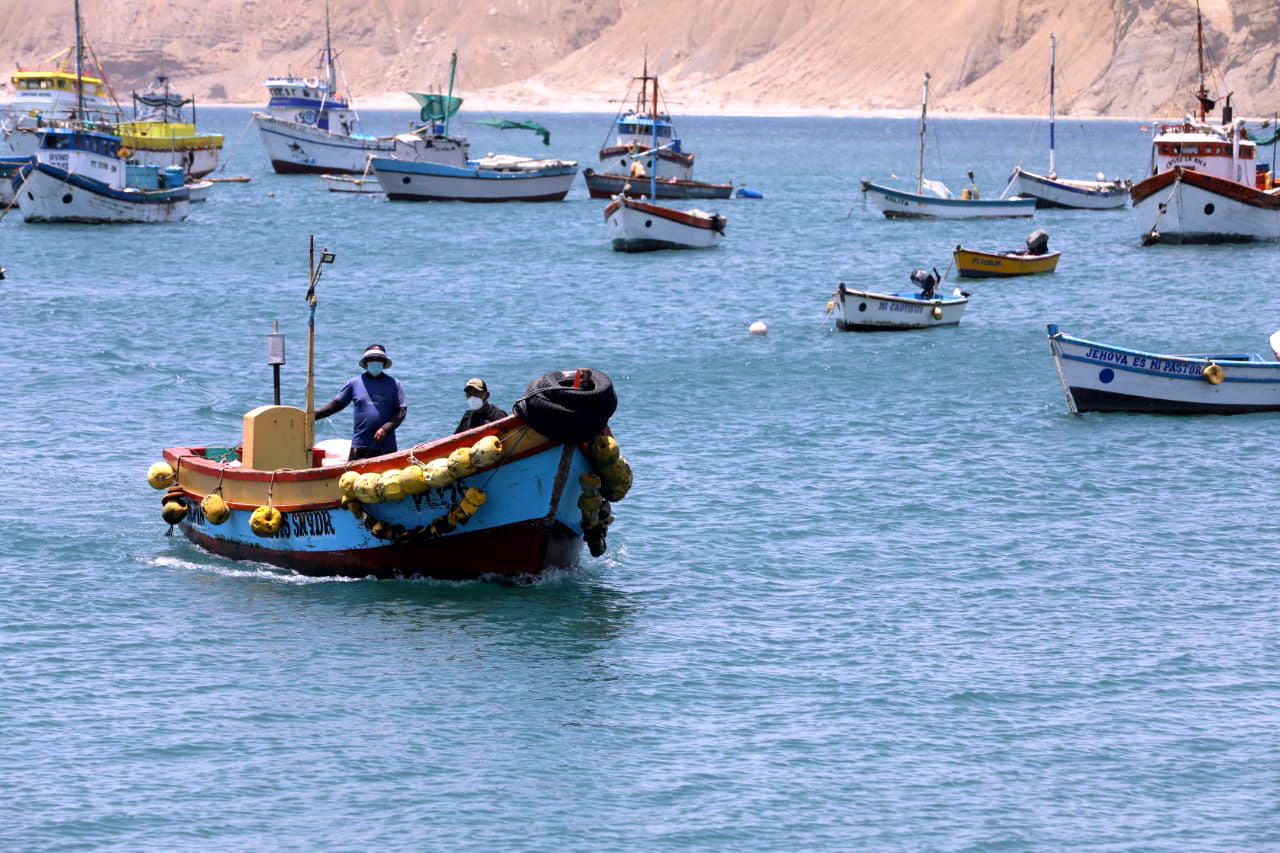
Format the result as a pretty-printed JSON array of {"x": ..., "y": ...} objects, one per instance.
[{"x": 82, "y": 175}]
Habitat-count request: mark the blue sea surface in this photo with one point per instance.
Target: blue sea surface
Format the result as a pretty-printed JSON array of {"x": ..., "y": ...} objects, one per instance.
[{"x": 869, "y": 591}]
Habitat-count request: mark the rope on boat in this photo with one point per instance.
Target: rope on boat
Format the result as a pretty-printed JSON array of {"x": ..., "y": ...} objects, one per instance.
[
  {"x": 223, "y": 166},
  {"x": 1152, "y": 236}
]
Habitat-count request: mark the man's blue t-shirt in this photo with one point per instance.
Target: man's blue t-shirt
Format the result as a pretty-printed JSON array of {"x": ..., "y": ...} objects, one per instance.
[{"x": 377, "y": 400}]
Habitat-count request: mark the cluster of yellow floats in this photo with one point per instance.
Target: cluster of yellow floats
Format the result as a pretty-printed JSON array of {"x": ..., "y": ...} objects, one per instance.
[{"x": 610, "y": 481}]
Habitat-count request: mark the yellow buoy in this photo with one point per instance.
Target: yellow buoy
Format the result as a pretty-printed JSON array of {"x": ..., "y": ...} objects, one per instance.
[
  {"x": 366, "y": 488},
  {"x": 616, "y": 480},
  {"x": 1212, "y": 373},
  {"x": 603, "y": 451},
  {"x": 590, "y": 483},
  {"x": 347, "y": 484},
  {"x": 589, "y": 503},
  {"x": 215, "y": 508},
  {"x": 937, "y": 312},
  {"x": 266, "y": 521},
  {"x": 173, "y": 506},
  {"x": 389, "y": 488},
  {"x": 436, "y": 473},
  {"x": 160, "y": 475},
  {"x": 460, "y": 463},
  {"x": 471, "y": 501},
  {"x": 412, "y": 480},
  {"x": 486, "y": 451}
]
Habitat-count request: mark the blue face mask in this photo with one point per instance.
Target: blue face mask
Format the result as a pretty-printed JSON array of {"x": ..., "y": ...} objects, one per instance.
[{"x": 374, "y": 368}]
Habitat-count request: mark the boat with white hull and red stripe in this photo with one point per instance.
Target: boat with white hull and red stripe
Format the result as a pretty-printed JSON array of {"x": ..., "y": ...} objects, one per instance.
[
  {"x": 1204, "y": 184},
  {"x": 638, "y": 225}
]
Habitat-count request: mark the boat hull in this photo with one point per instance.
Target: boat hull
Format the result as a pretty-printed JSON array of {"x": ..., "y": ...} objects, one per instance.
[
  {"x": 529, "y": 521},
  {"x": 600, "y": 185},
  {"x": 1184, "y": 206},
  {"x": 1105, "y": 378},
  {"x": 348, "y": 184},
  {"x": 46, "y": 193},
  {"x": 971, "y": 263},
  {"x": 897, "y": 204},
  {"x": 296, "y": 148},
  {"x": 639, "y": 226},
  {"x": 1076, "y": 195},
  {"x": 863, "y": 311},
  {"x": 410, "y": 181},
  {"x": 672, "y": 165}
]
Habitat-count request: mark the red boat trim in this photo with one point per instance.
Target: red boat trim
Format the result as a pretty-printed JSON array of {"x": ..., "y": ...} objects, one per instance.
[
  {"x": 1243, "y": 193},
  {"x": 664, "y": 213},
  {"x": 522, "y": 548}
]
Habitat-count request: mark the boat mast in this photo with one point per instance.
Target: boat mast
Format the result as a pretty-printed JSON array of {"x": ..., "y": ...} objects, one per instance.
[
  {"x": 1053, "y": 172},
  {"x": 330, "y": 76},
  {"x": 924, "y": 111},
  {"x": 79, "y": 66},
  {"x": 1202, "y": 94},
  {"x": 653, "y": 162},
  {"x": 453, "y": 66}
]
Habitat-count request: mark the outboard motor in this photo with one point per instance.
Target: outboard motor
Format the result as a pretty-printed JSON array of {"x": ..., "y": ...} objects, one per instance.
[
  {"x": 926, "y": 281},
  {"x": 1038, "y": 242}
]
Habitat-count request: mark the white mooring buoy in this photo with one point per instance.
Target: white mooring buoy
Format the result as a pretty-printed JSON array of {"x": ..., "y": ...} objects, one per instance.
[{"x": 758, "y": 328}]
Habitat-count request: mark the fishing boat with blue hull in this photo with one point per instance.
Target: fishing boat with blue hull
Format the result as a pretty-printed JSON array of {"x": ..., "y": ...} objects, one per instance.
[
  {"x": 1098, "y": 377},
  {"x": 510, "y": 498},
  {"x": 80, "y": 175}
]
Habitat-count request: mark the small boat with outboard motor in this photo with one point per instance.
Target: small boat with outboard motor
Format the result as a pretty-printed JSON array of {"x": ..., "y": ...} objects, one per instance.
[
  {"x": 924, "y": 308},
  {"x": 1035, "y": 258},
  {"x": 508, "y": 499}
]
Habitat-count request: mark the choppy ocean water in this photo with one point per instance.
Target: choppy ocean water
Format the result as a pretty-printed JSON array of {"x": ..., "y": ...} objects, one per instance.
[{"x": 874, "y": 592}]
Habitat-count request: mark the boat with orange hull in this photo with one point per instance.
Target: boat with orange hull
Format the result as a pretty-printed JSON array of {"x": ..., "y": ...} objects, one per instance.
[{"x": 506, "y": 499}]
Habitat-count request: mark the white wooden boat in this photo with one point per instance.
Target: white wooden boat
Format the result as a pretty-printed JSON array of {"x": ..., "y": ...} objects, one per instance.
[
  {"x": 502, "y": 177},
  {"x": 938, "y": 202},
  {"x": 1100, "y": 377},
  {"x": 924, "y": 308},
  {"x": 639, "y": 225},
  {"x": 363, "y": 184},
  {"x": 199, "y": 190},
  {"x": 310, "y": 127},
  {"x": 60, "y": 185},
  {"x": 1204, "y": 185},
  {"x": 1052, "y": 191}
]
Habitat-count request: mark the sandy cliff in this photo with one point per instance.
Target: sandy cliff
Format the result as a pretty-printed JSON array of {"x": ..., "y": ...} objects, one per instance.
[{"x": 1115, "y": 57}]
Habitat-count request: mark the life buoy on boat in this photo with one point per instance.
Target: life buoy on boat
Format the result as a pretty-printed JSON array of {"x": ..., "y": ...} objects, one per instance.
[
  {"x": 1212, "y": 373},
  {"x": 123, "y": 153},
  {"x": 311, "y": 82}
]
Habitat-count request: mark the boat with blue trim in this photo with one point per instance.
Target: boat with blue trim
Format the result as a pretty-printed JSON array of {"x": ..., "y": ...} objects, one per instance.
[
  {"x": 924, "y": 308},
  {"x": 1100, "y": 377},
  {"x": 646, "y": 146},
  {"x": 310, "y": 127},
  {"x": 938, "y": 202},
  {"x": 81, "y": 175},
  {"x": 511, "y": 498}
]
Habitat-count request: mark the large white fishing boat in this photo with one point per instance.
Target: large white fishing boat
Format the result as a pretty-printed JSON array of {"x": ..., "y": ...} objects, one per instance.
[{"x": 1204, "y": 185}]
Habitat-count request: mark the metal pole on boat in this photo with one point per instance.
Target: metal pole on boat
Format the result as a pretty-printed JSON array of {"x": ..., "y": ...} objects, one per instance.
[
  {"x": 924, "y": 111},
  {"x": 653, "y": 172},
  {"x": 453, "y": 66},
  {"x": 275, "y": 355},
  {"x": 1053, "y": 172},
  {"x": 79, "y": 67},
  {"x": 326, "y": 257}
]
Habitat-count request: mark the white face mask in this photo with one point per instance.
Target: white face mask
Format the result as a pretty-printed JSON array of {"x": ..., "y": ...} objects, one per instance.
[
  {"x": 374, "y": 368},
  {"x": 475, "y": 403}
]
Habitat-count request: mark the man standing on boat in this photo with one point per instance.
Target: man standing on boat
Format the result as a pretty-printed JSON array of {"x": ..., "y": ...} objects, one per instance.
[
  {"x": 380, "y": 406},
  {"x": 479, "y": 410}
]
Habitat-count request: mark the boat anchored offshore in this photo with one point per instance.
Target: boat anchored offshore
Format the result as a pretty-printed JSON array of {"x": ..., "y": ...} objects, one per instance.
[
  {"x": 938, "y": 202},
  {"x": 1035, "y": 258},
  {"x": 1050, "y": 190},
  {"x": 1204, "y": 185},
  {"x": 1100, "y": 377},
  {"x": 509, "y": 498},
  {"x": 865, "y": 311},
  {"x": 646, "y": 146}
]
